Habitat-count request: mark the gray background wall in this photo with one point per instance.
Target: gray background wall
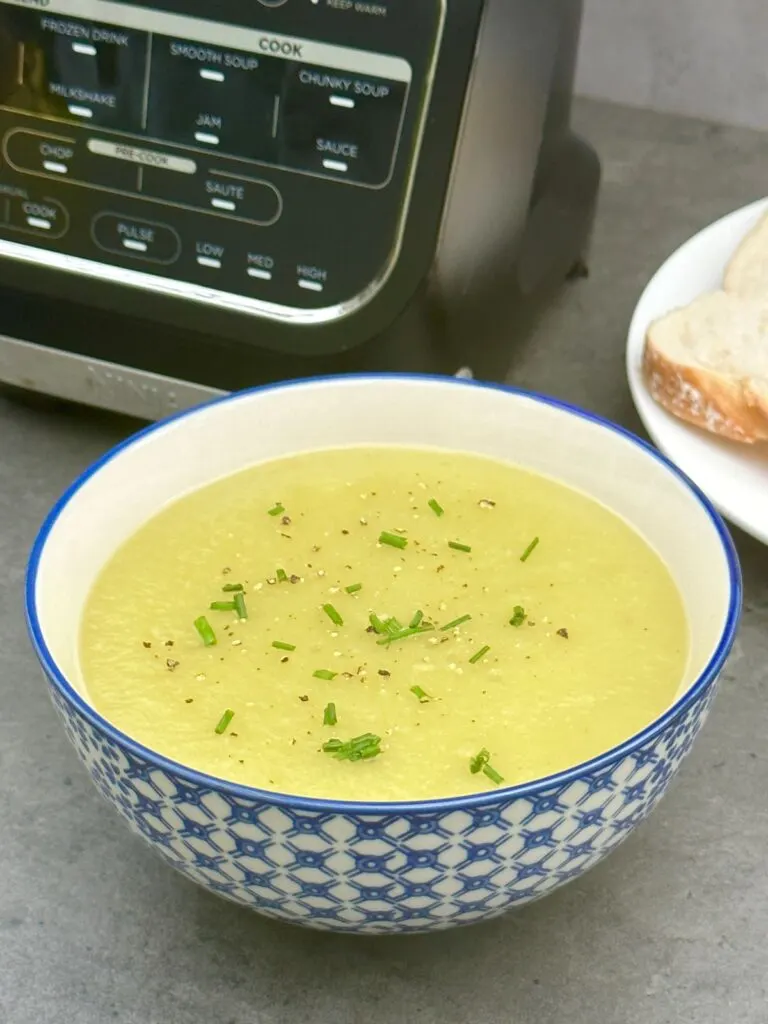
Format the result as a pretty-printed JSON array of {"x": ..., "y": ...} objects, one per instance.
[{"x": 707, "y": 58}]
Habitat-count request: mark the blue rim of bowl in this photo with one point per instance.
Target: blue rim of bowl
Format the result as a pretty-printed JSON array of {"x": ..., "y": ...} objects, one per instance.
[{"x": 323, "y": 805}]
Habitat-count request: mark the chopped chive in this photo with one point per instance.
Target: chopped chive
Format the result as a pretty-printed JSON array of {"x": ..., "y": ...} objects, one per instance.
[
  {"x": 376, "y": 622},
  {"x": 329, "y": 715},
  {"x": 403, "y": 634},
  {"x": 280, "y": 646},
  {"x": 282, "y": 576},
  {"x": 436, "y": 507},
  {"x": 492, "y": 774},
  {"x": 353, "y": 588},
  {"x": 203, "y": 627},
  {"x": 393, "y": 540},
  {"x": 529, "y": 550},
  {"x": 455, "y": 623},
  {"x": 422, "y": 695},
  {"x": 277, "y": 510},
  {"x": 358, "y": 749},
  {"x": 224, "y": 721},
  {"x": 324, "y": 673},
  {"x": 372, "y": 751},
  {"x": 366, "y": 738},
  {"x": 416, "y": 620},
  {"x": 222, "y": 606},
  {"x": 242, "y": 611},
  {"x": 231, "y": 588},
  {"x": 392, "y": 625},
  {"x": 481, "y": 763},
  {"x": 333, "y": 615},
  {"x": 456, "y": 546},
  {"x": 479, "y": 654},
  {"x": 359, "y": 753},
  {"x": 518, "y": 618}
]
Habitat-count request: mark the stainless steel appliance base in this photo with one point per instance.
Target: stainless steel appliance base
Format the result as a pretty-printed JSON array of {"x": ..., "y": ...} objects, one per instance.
[
  {"x": 104, "y": 385},
  {"x": 96, "y": 382}
]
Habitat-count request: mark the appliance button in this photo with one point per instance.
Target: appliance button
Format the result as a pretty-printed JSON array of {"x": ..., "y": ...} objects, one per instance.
[
  {"x": 310, "y": 278},
  {"x": 207, "y": 138},
  {"x": 76, "y": 110},
  {"x": 345, "y": 102},
  {"x": 275, "y": 3},
  {"x": 140, "y": 239},
  {"x": 42, "y": 216},
  {"x": 39, "y": 153},
  {"x": 259, "y": 266},
  {"x": 209, "y": 255},
  {"x": 245, "y": 198},
  {"x": 339, "y": 166},
  {"x": 57, "y": 156}
]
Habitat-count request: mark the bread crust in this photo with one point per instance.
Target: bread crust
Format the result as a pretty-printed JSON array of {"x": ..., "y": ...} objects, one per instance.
[
  {"x": 732, "y": 407},
  {"x": 729, "y": 408}
]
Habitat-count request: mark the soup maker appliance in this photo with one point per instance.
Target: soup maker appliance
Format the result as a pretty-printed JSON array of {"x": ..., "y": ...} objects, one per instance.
[{"x": 201, "y": 195}]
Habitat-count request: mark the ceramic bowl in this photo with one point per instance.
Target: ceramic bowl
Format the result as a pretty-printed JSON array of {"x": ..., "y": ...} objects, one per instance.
[{"x": 396, "y": 867}]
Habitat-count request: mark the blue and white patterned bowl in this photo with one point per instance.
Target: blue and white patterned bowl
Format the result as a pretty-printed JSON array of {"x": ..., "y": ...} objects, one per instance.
[{"x": 399, "y": 867}]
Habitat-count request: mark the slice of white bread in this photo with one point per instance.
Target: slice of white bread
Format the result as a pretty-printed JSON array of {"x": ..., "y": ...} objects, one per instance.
[
  {"x": 707, "y": 363},
  {"x": 747, "y": 272}
]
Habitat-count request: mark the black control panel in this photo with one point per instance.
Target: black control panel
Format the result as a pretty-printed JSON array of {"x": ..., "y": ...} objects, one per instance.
[{"x": 228, "y": 161}]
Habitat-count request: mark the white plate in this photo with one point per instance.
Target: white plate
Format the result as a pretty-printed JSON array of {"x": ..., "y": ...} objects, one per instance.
[{"x": 733, "y": 476}]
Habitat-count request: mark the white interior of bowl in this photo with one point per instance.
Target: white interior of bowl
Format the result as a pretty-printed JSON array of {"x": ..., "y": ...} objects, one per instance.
[{"x": 226, "y": 437}]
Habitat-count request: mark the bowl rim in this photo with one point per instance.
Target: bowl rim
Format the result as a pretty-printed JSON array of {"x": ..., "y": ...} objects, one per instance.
[{"x": 328, "y": 805}]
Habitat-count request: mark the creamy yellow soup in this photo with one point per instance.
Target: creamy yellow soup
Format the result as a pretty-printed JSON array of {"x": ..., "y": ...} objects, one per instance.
[{"x": 383, "y": 624}]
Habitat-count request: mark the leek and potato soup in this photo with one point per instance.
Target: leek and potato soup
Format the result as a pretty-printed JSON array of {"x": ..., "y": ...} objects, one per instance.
[{"x": 383, "y": 624}]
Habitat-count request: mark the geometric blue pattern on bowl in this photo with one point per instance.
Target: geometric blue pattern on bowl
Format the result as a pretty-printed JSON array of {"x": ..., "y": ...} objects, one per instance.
[{"x": 390, "y": 872}]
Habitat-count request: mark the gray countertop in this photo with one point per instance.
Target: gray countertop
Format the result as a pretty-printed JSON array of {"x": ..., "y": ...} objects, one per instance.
[{"x": 671, "y": 928}]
